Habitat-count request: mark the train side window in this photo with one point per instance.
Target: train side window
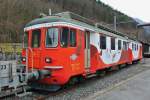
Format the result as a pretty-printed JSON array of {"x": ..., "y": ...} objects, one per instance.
[
  {"x": 25, "y": 40},
  {"x": 132, "y": 46},
  {"x": 72, "y": 37},
  {"x": 112, "y": 43},
  {"x": 119, "y": 44},
  {"x": 137, "y": 47},
  {"x": 124, "y": 45},
  {"x": 64, "y": 37},
  {"x": 36, "y": 38},
  {"x": 102, "y": 42}
]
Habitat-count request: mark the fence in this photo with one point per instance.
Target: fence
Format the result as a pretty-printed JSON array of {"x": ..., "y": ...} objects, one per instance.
[
  {"x": 10, "y": 51},
  {"x": 10, "y": 47}
]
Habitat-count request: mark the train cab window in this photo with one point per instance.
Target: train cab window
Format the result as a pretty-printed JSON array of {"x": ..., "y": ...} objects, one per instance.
[
  {"x": 112, "y": 43},
  {"x": 52, "y": 37},
  {"x": 36, "y": 38},
  {"x": 25, "y": 40},
  {"x": 72, "y": 37},
  {"x": 102, "y": 42},
  {"x": 119, "y": 44},
  {"x": 64, "y": 37}
]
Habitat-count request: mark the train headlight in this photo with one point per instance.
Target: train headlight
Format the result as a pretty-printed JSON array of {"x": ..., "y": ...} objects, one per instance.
[
  {"x": 48, "y": 60},
  {"x": 24, "y": 59}
]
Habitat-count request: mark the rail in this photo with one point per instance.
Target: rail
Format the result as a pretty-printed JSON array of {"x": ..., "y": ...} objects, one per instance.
[{"x": 147, "y": 54}]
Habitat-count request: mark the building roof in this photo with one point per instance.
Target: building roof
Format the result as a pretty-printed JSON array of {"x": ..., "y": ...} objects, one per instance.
[{"x": 141, "y": 25}]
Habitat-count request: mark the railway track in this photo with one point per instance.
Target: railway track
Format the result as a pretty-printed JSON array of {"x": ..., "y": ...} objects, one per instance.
[
  {"x": 89, "y": 86},
  {"x": 92, "y": 85}
]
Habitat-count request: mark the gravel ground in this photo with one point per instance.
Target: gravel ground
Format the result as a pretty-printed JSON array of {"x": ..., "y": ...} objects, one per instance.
[{"x": 92, "y": 85}]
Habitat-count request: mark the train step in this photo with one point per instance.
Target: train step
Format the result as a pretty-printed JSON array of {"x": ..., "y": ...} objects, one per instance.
[
  {"x": 24, "y": 94},
  {"x": 91, "y": 75}
]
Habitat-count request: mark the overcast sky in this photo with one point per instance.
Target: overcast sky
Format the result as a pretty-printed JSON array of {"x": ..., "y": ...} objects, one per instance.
[{"x": 134, "y": 8}]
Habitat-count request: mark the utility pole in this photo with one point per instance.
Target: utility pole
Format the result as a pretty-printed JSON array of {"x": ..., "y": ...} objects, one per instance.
[
  {"x": 115, "y": 23},
  {"x": 50, "y": 12}
]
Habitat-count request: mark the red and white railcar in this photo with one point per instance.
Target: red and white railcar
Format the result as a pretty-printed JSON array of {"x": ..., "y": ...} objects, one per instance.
[{"x": 72, "y": 48}]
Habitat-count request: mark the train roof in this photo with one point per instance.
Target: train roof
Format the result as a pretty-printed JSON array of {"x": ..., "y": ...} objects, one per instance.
[{"x": 72, "y": 18}]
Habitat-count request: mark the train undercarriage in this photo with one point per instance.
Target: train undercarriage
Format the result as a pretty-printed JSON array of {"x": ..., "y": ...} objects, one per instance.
[{"x": 14, "y": 78}]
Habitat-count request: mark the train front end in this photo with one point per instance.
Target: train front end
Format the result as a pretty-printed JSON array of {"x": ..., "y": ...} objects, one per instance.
[{"x": 46, "y": 48}]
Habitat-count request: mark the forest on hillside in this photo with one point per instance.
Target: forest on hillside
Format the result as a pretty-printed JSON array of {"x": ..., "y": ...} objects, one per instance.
[{"x": 14, "y": 14}]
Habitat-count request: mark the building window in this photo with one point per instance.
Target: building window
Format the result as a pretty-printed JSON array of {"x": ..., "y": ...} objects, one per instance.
[
  {"x": 64, "y": 37},
  {"x": 102, "y": 42},
  {"x": 112, "y": 43},
  {"x": 36, "y": 38},
  {"x": 119, "y": 44},
  {"x": 52, "y": 37},
  {"x": 72, "y": 37}
]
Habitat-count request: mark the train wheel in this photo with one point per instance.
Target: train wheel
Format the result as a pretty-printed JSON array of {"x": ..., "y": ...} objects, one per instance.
[
  {"x": 122, "y": 66},
  {"x": 115, "y": 68},
  {"x": 81, "y": 79},
  {"x": 139, "y": 61},
  {"x": 100, "y": 73},
  {"x": 112, "y": 68},
  {"x": 71, "y": 82}
]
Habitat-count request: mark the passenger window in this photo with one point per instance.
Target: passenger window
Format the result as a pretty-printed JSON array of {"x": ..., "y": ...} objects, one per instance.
[
  {"x": 132, "y": 46},
  {"x": 102, "y": 42},
  {"x": 64, "y": 37},
  {"x": 125, "y": 45},
  {"x": 36, "y": 38},
  {"x": 72, "y": 38},
  {"x": 137, "y": 47},
  {"x": 119, "y": 44},
  {"x": 112, "y": 43}
]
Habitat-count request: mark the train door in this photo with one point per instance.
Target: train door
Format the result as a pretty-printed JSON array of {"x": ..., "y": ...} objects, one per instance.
[
  {"x": 35, "y": 50},
  {"x": 87, "y": 50}
]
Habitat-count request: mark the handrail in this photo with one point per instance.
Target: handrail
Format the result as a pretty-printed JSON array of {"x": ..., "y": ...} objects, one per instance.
[
  {"x": 31, "y": 57},
  {"x": 27, "y": 56}
]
